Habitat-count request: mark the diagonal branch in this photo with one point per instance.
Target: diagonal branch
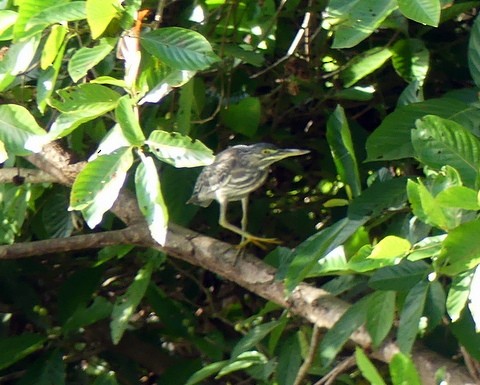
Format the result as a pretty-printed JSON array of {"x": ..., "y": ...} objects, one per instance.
[{"x": 313, "y": 304}]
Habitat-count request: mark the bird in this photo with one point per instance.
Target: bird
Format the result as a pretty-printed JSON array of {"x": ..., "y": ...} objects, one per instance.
[{"x": 233, "y": 175}]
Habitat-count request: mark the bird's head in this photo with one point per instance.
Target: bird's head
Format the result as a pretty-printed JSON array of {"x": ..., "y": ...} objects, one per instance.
[{"x": 263, "y": 155}]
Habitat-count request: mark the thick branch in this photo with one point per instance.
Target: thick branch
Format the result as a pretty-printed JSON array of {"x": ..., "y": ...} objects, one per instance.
[{"x": 315, "y": 305}]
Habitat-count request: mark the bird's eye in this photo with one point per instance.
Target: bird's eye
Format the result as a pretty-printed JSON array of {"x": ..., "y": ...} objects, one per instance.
[{"x": 267, "y": 151}]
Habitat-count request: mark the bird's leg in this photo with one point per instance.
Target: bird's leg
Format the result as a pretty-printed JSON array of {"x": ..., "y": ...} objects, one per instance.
[
  {"x": 244, "y": 217},
  {"x": 246, "y": 236}
]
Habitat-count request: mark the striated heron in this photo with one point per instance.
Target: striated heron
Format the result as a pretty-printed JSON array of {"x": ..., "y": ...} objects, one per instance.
[{"x": 233, "y": 175}]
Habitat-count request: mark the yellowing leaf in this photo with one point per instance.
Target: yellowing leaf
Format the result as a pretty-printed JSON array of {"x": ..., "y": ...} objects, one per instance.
[{"x": 390, "y": 247}]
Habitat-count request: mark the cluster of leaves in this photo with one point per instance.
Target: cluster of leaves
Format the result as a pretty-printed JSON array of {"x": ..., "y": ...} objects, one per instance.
[{"x": 401, "y": 228}]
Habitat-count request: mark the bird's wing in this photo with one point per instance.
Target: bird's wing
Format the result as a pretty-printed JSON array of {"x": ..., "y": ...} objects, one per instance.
[{"x": 212, "y": 178}]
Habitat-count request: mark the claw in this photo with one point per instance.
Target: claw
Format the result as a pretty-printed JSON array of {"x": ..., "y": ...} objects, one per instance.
[{"x": 258, "y": 241}]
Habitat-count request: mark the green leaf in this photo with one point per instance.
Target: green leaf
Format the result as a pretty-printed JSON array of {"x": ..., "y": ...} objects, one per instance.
[
  {"x": 18, "y": 59},
  {"x": 392, "y": 139},
  {"x": 13, "y": 349},
  {"x": 378, "y": 198},
  {"x": 399, "y": 277},
  {"x": 97, "y": 186},
  {"x": 48, "y": 78},
  {"x": 27, "y": 10},
  {"x": 434, "y": 305},
  {"x": 309, "y": 252},
  {"x": 343, "y": 153},
  {"x": 355, "y": 20},
  {"x": 410, "y": 316},
  {"x": 99, "y": 310},
  {"x": 52, "y": 46},
  {"x": 179, "y": 48},
  {"x": 425, "y": 207},
  {"x": 474, "y": 51},
  {"x": 289, "y": 360},
  {"x": 440, "y": 141},
  {"x": 185, "y": 107},
  {"x": 253, "y": 337},
  {"x": 243, "y": 361},
  {"x": 474, "y": 299},
  {"x": 126, "y": 304},
  {"x": 7, "y": 23},
  {"x": 458, "y": 196},
  {"x": 458, "y": 294},
  {"x": 206, "y": 371},
  {"x": 335, "y": 338},
  {"x": 403, "y": 371},
  {"x": 411, "y": 59},
  {"x": 367, "y": 368},
  {"x": 88, "y": 97},
  {"x": 467, "y": 336},
  {"x": 380, "y": 315},
  {"x": 390, "y": 247},
  {"x": 80, "y": 104},
  {"x": 243, "y": 117},
  {"x": 49, "y": 369},
  {"x": 461, "y": 249},
  {"x": 150, "y": 199},
  {"x": 59, "y": 13},
  {"x": 179, "y": 150},
  {"x": 363, "y": 65},
  {"x": 428, "y": 247},
  {"x": 86, "y": 58},
  {"x": 126, "y": 115},
  {"x": 77, "y": 291},
  {"x": 99, "y": 15},
  {"x": 3, "y": 152},
  {"x": 423, "y": 11},
  {"x": 17, "y": 126}
]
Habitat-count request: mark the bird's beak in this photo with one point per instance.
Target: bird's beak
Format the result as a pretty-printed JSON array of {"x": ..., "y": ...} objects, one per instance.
[{"x": 287, "y": 153}]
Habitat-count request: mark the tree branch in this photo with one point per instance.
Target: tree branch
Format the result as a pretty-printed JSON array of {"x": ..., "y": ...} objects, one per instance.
[{"x": 313, "y": 304}]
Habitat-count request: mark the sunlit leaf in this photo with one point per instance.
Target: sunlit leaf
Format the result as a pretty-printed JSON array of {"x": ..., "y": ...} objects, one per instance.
[
  {"x": 128, "y": 120},
  {"x": 86, "y": 58},
  {"x": 99, "y": 15},
  {"x": 423, "y": 11},
  {"x": 341, "y": 146},
  {"x": 17, "y": 125},
  {"x": 403, "y": 371},
  {"x": 150, "y": 199},
  {"x": 367, "y": 368},
  {"x": 390, "y": 247},
  {"x": 97, "y": 186},
  {"x": 458, "y": 294},
  {"x": 392, "y": 139},
  {"x": 363, "y": 65},
  {"x": 355, "y": 20},
  {"x": 179, "y": 48},
  {"x": 439, "y": 141},
  {"x": 179, "y": 150},
  {"x": 52, "y": 45}
]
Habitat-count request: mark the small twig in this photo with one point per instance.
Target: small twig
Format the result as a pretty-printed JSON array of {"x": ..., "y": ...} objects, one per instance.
[
  {"x": 303, "y": 371},
  {"x": 293, "y": 47},
  {"x": 159, "y": 14},
  {"x": 336, "y": 371}
]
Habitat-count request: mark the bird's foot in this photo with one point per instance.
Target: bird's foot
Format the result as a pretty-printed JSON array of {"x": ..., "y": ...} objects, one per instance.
[{"x": 257, "y": 241}]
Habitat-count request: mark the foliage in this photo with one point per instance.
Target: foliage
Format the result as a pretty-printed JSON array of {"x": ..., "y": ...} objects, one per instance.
[{"x": 382, "y": 213}]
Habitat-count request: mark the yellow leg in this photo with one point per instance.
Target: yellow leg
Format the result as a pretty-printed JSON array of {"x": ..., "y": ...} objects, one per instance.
[{"x": 246, "y": 236}]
